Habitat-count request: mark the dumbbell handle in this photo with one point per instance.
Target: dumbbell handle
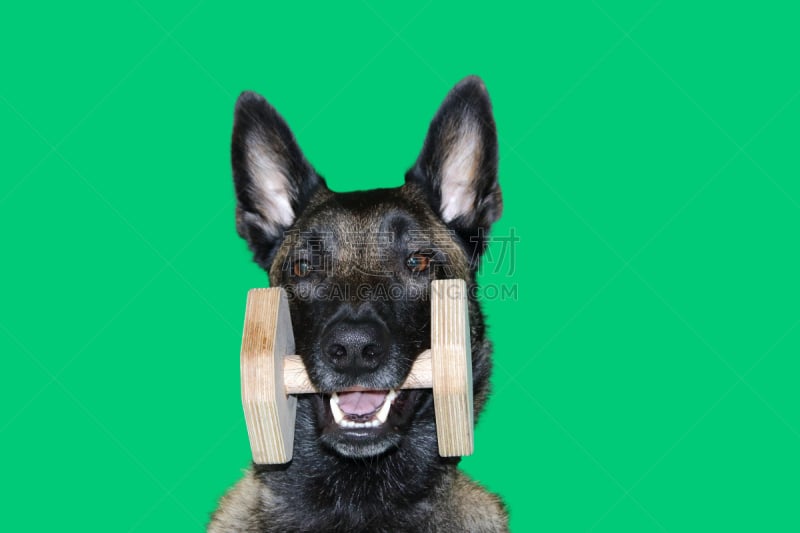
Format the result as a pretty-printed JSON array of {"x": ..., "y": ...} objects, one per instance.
[{"x": 296, "y": 381}]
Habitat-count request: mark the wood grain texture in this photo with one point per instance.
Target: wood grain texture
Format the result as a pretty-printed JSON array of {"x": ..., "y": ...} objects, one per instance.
[
  {"x": 296, "y": 380},
  {"x": 452, "y": 367},
  {"x": 269, "y": 413}
]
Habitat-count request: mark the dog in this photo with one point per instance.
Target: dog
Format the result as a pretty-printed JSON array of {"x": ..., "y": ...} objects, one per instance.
[{"x": 357, "y": 268}]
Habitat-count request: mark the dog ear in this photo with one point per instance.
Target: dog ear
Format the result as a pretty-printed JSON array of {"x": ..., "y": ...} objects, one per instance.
[
  {"x": 457, "y": 168},
  {"x": 272, "y": 178}
]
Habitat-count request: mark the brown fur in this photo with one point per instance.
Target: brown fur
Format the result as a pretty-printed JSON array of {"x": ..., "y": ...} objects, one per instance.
[{"x": 460, "y": 505}]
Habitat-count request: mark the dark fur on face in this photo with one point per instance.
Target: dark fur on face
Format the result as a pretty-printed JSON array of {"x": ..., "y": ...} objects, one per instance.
[{"x": 360, "y": 307}]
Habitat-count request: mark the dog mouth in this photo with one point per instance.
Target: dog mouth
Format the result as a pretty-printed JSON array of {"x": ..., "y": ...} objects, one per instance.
[
  {"x": 360, "y": 423},
  {"x": 362, "y": 409}
]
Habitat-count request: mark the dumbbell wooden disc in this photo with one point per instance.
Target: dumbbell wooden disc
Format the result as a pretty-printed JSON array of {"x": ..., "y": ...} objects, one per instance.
[
  {"x": 268, "y": 412},
  {"x": 452, "y": 367}
]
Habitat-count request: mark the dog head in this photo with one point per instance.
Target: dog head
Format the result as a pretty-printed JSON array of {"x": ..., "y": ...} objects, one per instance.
[{"x": 357, "y": 266}]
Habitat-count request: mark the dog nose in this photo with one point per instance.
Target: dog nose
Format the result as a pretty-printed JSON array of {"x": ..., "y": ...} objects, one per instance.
[{"x": 355, "y": 348}]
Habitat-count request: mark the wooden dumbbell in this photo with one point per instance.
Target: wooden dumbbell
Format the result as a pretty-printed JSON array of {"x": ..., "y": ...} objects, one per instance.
[{"x": 271, "y": 375}]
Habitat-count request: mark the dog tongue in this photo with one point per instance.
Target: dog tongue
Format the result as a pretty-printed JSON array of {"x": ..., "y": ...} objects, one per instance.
[{"x": 361, "y": 402}]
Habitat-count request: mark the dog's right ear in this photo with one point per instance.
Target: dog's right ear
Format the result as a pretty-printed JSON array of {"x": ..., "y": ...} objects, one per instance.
[{"x": 272, "y": 178}]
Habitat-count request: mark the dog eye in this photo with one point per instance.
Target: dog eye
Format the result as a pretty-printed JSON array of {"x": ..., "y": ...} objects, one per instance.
[
  {"x": 418, "y": 262},
  {"x": 301, "y": 268}
]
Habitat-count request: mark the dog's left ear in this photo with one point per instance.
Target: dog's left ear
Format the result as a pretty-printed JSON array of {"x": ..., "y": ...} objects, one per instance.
[{"x": 457, "y": 168}]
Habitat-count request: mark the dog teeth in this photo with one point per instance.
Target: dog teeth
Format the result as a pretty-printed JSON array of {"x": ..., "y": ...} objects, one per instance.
[
  {"x": 387, "y": 404},
  {"x": 379, "y": 418},
  {"x": 338, "y": 414},
  {"x": 355, "y": 425}
]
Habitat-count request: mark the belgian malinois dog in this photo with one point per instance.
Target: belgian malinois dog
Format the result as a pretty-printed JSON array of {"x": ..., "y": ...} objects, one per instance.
[{"x": 357, "y": 268}]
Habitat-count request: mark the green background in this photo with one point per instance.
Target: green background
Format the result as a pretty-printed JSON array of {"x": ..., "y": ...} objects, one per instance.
[{"x": 646, "y": 375}]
